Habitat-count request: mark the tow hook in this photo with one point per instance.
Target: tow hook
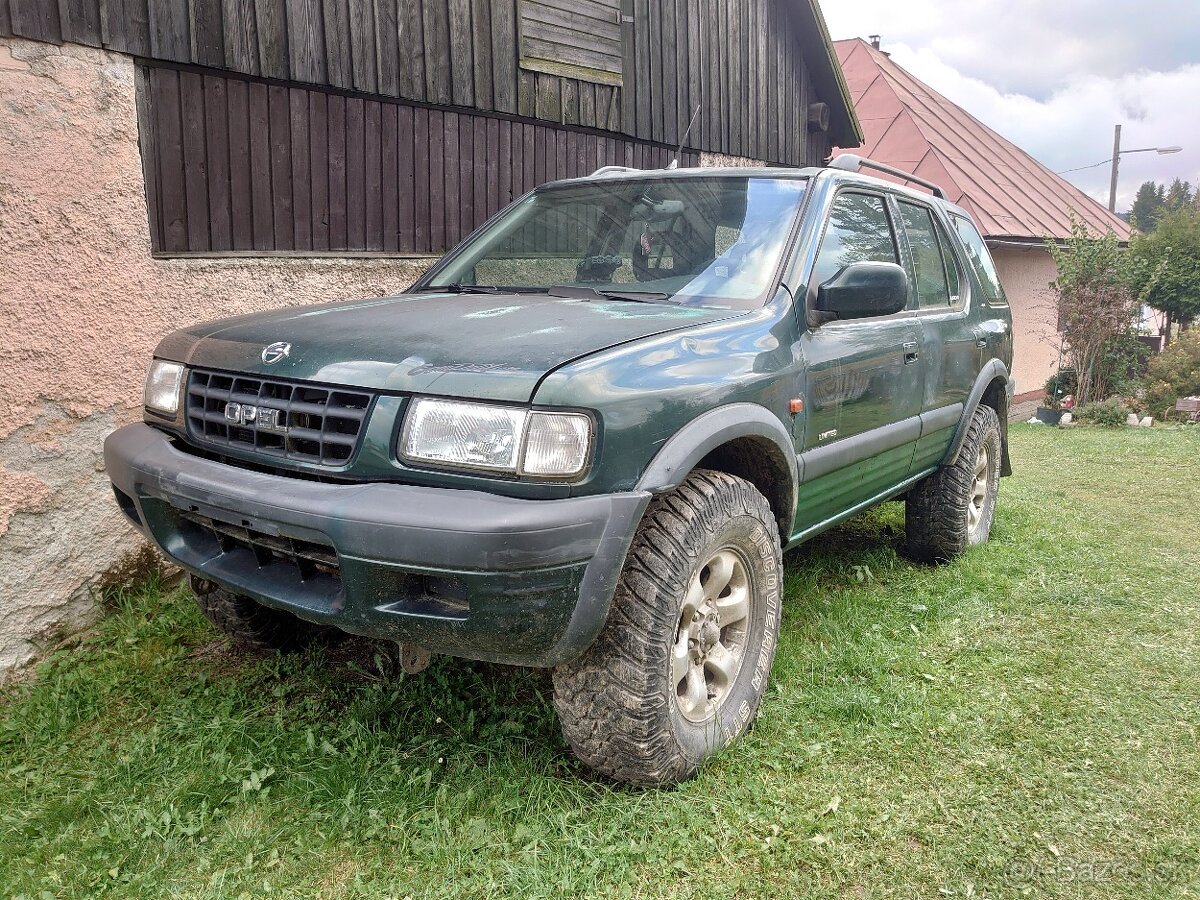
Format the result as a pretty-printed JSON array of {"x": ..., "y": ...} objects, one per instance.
[{"x": 413, "y": 659}]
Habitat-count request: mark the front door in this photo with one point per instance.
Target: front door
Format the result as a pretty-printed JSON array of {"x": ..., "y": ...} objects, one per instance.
[{"x": 863, "y": 378}]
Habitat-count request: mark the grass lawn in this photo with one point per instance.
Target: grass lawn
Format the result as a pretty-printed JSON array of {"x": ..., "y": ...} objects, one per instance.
[{"x": 1022, "y": 722}]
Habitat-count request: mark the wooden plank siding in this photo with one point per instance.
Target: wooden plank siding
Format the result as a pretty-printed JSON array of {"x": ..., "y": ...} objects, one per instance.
[
  {"x": 740, "y": 61},
  {"x": 241, "y": 164}
]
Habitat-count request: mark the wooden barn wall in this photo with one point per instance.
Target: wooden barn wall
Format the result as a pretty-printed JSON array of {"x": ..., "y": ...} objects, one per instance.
[
  {"x": 740, "y": 61},
  {"x": 239, "y": 164}
]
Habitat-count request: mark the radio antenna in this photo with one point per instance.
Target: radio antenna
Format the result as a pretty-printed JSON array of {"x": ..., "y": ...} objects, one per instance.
[{"x": 674, "y": 163}]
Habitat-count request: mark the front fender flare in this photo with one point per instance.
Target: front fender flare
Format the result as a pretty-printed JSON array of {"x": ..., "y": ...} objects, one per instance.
[{"x": 708, "y": 431}]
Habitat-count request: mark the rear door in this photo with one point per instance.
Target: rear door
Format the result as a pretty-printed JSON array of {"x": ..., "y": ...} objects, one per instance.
[
  {"x": 989, "y": 310},
  {"x": 950, "y": 341},
  {"x": 864, "y": 382}
]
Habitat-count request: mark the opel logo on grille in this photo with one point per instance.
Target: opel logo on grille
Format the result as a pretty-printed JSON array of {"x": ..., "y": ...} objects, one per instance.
[
  {"x": 267, "y": 419},
  {"x": 273, "y": 353}
]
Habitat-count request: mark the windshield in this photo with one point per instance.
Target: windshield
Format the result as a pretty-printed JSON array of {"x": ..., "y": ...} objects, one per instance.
[{"x": 702, "y": 241}]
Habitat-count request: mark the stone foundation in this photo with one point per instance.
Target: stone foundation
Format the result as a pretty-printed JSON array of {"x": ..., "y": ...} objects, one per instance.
[{"x": 83, "y": 306}]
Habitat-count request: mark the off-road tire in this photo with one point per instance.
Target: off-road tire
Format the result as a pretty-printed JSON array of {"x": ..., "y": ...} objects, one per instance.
[
  {"x": 938, "y": 509},
  {"x": 256, "y": 627},
  {"x": 619, "y": 705}
]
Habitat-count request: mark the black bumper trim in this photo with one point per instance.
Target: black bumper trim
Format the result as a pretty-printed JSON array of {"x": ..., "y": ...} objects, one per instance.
[{"x": 568, "y": 552}]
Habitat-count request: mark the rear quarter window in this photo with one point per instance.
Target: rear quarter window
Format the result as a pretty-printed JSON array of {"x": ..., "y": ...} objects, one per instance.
[{"x": 980, "y": 259}]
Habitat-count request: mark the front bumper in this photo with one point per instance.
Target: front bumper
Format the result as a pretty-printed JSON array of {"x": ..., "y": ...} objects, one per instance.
[{"x": 465, "y": 573}]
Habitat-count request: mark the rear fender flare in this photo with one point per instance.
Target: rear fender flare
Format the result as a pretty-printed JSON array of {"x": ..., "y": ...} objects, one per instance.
[{"x": 992, "y": 370}]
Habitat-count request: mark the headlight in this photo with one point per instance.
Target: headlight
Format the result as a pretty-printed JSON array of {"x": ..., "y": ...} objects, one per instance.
[
  {"x": 496, "y": 438},
  {"x": 162, "y": 387}
]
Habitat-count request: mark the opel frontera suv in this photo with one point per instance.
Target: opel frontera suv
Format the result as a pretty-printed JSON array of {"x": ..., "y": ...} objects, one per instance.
[{"x": 585, "y": 437}]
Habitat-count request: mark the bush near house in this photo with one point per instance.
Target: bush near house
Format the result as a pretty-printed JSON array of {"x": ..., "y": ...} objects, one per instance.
[
  {"x": 1099, "y": 305},
  {"x": 1109, "y": 413},
  {"x": 1174, "y": 373},
  {"x": 1062, "y": 383}
]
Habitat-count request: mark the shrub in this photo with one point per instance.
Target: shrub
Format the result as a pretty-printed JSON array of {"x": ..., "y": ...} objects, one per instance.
[
  {"x": 1124, "y": 363},
  {"x": 1174, "y": 373},
  {"x": 1109, "y": 413},
  {"x": 1097, "y": 304},
  {"x": 1059, "y": 385}
]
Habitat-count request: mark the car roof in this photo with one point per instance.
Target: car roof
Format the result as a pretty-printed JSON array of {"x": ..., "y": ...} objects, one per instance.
[{"x": 842, "y": 176}]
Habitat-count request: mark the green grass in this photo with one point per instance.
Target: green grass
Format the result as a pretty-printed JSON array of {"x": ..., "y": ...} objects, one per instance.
[{"x": 1022, "y": 722}]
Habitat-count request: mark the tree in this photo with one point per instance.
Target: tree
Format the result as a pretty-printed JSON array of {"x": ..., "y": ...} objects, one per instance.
[
  {"x": 1098, "y": 304},
  {"x": 1147, "y": 206},
  {"x": 1169, "y": 264},
  {"x": 1179, "y": 195}
]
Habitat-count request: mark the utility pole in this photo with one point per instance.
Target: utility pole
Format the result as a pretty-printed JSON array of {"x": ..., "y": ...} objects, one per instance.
[{"x": 1116, "y": 161}]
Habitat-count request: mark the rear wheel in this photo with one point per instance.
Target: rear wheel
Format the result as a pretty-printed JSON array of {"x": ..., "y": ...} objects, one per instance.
[
  {"x": 952, "y": 509},
  {"x": 254, "y": 626},
  {"x": 682, "y": 663}
]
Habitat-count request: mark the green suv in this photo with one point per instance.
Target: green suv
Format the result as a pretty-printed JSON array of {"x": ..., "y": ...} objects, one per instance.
[{"x": 585, "y": 437}]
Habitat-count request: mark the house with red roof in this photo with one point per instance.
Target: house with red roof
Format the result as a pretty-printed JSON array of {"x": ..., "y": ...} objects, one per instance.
[{"x": 1017, "y": 202}]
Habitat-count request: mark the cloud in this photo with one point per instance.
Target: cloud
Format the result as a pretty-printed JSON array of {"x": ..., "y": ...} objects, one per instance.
[
  {"x": 1073, "y": 126},
  {"x": 1029, "y": 46},
  {"x": 1055, "y": 78}
]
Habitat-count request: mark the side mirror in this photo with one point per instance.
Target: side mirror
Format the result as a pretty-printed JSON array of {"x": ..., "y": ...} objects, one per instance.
[{"x": 861, "y": 290}]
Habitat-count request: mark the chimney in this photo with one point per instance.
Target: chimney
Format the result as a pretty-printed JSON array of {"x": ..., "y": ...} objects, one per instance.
[{"x": 874, "y": 40}]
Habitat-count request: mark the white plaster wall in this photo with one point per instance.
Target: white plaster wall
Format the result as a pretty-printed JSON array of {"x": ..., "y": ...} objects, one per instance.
[
  {"x": 82, "y": 305},
  {"x": 1026, "y": 274}
]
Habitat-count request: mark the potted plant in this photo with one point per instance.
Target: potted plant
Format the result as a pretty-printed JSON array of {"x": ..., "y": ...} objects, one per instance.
[{"x": 1060, "y": 389}]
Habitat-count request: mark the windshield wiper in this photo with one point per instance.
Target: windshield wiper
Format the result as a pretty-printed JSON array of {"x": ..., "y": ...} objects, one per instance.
[
  {"x": 460, "y": 288},
  {"x": 584, "y": 292}
]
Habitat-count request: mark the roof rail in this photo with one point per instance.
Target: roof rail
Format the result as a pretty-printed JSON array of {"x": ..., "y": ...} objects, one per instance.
[
  {"x": 851, "y": 163},
  {"x": 613, "y": 170}
]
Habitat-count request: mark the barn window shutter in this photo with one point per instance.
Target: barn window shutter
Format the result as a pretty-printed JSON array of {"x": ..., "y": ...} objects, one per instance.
[{"x": 572, "y": 38}]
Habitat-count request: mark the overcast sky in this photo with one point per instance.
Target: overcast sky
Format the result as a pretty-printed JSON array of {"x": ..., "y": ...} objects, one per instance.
[{"x": 1054, "y": 78}]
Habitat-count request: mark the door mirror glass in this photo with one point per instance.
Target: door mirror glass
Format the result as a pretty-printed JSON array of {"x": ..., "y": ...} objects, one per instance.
[{"x": 864, "y": 289}]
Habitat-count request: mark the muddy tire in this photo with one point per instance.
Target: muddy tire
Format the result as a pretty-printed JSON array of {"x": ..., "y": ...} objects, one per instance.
[
  {"x": 682, "y": 663},
  {"x": 254, "y": 626},
  {"x": 952, "y": 509}
]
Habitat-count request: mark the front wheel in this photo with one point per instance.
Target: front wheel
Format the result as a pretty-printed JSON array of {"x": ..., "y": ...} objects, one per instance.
[
  {"x": 952, "y": 509},
  {"x": 682, "y": 663}
]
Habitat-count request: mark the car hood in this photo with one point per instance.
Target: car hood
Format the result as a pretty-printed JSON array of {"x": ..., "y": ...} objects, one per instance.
[{"x": 495, "y": 347}]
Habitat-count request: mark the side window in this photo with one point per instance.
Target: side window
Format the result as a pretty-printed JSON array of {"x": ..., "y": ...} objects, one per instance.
[
  {"x": 933, "y": 286},
  {"x": 981, "y": 260},
  {"x": 953, "y": 270},
  {"x": 859, "y": 230}
]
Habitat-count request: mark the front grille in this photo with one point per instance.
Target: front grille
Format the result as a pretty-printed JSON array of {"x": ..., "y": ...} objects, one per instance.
[
  {"x": 310, "y": 556},
  {"x": 307, "y": 572},
  {"x": 287, "y": 420}
]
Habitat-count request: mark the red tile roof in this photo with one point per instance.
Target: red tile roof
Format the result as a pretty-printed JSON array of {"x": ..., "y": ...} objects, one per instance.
[{"x": 913, "y": 127}]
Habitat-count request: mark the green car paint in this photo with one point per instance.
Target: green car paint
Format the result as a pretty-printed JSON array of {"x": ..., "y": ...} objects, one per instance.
[{"x": 882, "y": 402}]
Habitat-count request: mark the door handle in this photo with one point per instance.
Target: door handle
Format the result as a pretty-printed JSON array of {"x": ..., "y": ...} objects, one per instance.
[
  {"x": 911, "y": 352},
  {"x": 981, "y": 338}
]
